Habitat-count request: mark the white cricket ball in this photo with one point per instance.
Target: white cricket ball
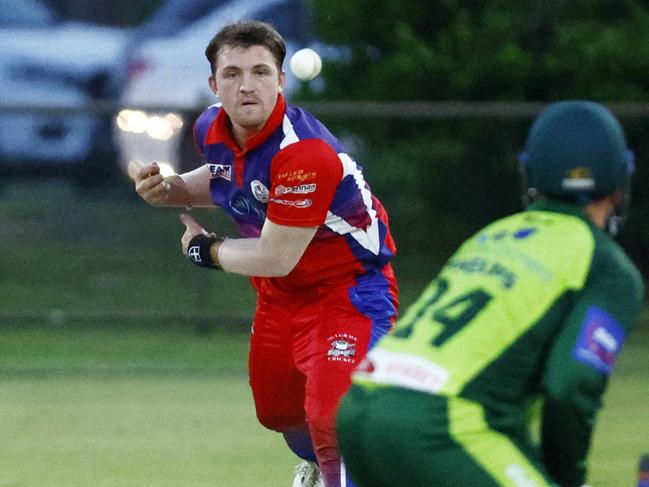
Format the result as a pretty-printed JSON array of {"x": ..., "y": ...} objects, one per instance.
[{"x": 306, "y": 64}]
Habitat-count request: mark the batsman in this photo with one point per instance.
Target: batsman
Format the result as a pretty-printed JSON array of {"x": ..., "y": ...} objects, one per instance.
[{"x": 533, "y": 309}]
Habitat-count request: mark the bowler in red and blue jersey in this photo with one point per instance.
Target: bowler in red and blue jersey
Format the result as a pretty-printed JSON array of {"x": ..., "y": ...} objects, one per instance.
[{"x": 312, "y": 237}]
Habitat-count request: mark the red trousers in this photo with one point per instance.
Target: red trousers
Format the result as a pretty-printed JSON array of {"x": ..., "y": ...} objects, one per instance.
[{"x": 303, "y": 349}]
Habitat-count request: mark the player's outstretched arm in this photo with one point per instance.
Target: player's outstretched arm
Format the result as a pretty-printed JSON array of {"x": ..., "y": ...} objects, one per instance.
[{"x": 186, "y": 190}]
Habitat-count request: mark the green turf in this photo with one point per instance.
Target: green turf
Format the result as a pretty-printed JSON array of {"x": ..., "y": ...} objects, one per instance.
[
  {"x": 131, "y": 407},
  {"x": 136, "y": 431},
  {"x": 146, "y": 406},
  {"x": 622, "y": 433}
]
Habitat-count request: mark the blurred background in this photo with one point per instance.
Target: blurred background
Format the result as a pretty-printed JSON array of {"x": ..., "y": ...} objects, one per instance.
[{"x": 122, "y": 365}]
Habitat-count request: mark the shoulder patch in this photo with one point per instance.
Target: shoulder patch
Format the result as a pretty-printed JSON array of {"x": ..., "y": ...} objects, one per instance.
[{"x": 600, "y": 340}]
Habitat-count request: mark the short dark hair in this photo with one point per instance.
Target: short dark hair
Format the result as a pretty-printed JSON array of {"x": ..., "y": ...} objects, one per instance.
[{"x": 247, "y": 34}]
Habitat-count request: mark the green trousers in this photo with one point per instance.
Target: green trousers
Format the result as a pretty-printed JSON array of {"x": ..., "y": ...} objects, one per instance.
[{"x": 391, "y": 437}]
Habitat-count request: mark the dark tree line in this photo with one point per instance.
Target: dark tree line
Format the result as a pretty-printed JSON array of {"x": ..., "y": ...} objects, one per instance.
[{"x": 450, "y": 177}]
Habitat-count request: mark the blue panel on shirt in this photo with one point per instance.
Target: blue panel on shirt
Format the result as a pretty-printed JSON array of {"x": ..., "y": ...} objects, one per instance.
[{"x": 600, "y": 340}]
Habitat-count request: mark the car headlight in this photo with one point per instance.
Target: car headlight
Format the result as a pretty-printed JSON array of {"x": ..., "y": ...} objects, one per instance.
[
  {"x": 156, "y": 126},
  {"x": 149, "y": 136}
]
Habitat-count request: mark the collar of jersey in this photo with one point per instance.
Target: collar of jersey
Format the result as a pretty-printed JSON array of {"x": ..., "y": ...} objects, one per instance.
[
  {"x": 545, "y": 204},
  {"x": 220, "y": 130}
]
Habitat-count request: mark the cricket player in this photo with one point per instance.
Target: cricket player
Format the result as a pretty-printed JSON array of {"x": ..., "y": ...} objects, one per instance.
[
  {"x": 313, "y": 238},
  {"x": 534, "y": 307}
]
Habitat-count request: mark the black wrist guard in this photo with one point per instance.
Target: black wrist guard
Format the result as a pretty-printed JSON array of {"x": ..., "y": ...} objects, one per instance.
[{"x": 198, "y": 250}]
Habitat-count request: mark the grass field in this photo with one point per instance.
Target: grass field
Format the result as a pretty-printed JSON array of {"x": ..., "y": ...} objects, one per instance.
[
  {"x": 131, "y": 407},
  {"x": 142, "y": 406},
  {"x": 121, "y": 365}
]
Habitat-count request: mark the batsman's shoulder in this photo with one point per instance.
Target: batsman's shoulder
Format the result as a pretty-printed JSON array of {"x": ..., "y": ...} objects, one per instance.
[{"x": 611, "y": 258}]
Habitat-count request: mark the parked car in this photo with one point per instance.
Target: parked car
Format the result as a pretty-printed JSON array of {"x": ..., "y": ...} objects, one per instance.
[
  {"x": 165, "y": 85},
  {"x": 49, "y": 71}
]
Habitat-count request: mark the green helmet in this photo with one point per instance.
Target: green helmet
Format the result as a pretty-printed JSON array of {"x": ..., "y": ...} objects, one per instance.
[{"x": 576, "y": 152}]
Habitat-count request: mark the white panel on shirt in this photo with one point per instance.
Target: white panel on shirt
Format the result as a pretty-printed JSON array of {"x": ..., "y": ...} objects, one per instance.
[
  {"x": 369, "y": 239},
  {"x": 290, "y": 137}
]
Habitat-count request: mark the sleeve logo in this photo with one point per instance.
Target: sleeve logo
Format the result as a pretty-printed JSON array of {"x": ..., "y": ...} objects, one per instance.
[
  {"x": 600, "y": 341},
  {"x": 220, "y": 171}
]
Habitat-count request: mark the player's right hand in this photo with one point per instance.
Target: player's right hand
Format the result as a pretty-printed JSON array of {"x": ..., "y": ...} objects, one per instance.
[{"x": 149, "y": 183}]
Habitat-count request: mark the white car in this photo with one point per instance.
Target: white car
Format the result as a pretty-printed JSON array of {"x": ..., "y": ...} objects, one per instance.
[
  {"x": 49, "y": 71},
  {"x": 167, "y": 75}
]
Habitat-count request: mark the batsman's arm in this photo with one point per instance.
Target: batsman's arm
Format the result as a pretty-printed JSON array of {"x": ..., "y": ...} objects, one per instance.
[
  {"x": 186, "y": 190},
  {"x": 579, "y": 365}
]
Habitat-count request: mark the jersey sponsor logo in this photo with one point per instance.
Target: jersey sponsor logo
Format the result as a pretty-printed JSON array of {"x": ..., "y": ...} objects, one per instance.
[
  {"x": 343, "y": 348},
  {"x": 259, "y": 191},
  {"x": 297, "y": 203},
  {"x": 298, "y": 175},
  {"x": 600, "y": 341},
  {"x": 220, "y": 171},
  {"x": 299, "y": 189},
  {"x": 403, "y": 370}
]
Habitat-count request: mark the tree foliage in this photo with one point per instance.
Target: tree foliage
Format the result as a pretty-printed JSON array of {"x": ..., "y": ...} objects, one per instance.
[
  {"x": 458, "y": 175},
  {"x": 496, "y": 50}
]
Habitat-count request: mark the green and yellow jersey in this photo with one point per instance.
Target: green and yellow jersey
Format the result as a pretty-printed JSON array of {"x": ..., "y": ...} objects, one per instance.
[{"x": 535, "y": 304}]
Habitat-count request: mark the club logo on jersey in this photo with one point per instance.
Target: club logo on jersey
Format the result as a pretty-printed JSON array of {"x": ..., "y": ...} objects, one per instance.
[
  {"x": 343, "y": 348},
  {"x": 220, "y": 171},
  {"x": 600, "y": 340},
  {"x": 297, "y": 203},
  {"x": 259, "y": 191},
  {"x": 300, "y": 189}
]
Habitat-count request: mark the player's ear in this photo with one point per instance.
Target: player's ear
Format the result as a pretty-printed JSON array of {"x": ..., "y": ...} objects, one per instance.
[
  {"x": 212, "y": 82},
  {"x": 282, "y": 81}
]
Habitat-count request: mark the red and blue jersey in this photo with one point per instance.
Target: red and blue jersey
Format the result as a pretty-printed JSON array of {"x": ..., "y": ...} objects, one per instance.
[{"x": 296, "y": 173}]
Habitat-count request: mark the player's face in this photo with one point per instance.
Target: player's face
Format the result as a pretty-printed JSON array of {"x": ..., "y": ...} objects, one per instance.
[{"x": 247, "y": 81}]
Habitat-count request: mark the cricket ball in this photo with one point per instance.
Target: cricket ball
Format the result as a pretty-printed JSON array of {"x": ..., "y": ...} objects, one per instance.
[{"x": 306, "y": 64}]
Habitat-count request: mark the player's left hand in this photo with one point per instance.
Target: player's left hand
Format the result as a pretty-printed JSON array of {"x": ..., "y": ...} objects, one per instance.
[{"x": 192, "y": 228}]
